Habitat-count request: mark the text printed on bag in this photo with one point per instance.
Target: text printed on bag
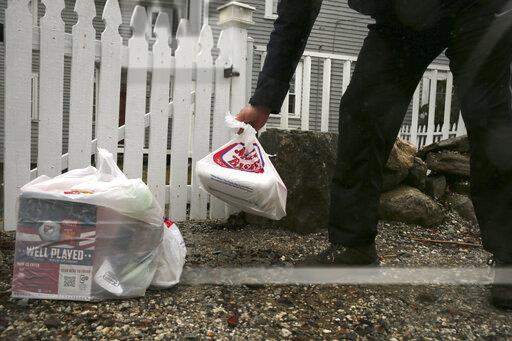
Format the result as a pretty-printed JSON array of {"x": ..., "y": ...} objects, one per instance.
[{"x": 234, "y": 156}]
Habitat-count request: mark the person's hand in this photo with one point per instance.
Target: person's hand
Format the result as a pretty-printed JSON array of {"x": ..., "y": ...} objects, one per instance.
[{"x": 256, "y": 116}]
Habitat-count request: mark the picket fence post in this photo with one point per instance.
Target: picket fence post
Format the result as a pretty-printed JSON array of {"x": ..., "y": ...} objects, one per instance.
[
  {"x": 82, "y": 86},
  {"x": 18, "y": 73},
  {"x": 51, "y": 86},
  {"x": 461, "y": 127},
  {"x": 447, "y": 105},
  {"x": 181, "y": 121},
  {"x": 201, "y": 126},
  {"x": 220, "y": 133},
  {"x": 432, "y": 107},
  {"x": 107, "y": 117},
  {"x": 415, "y": 115},
  {"x": 136, "y": 95},
  {"x": 234, "y": 19},
  {"x": 159, "y": 109}
]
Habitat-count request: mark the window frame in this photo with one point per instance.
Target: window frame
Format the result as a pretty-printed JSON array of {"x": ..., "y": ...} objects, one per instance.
[
  {"x": 269, "y": 10},
  {"x": 298, "y": 77}
]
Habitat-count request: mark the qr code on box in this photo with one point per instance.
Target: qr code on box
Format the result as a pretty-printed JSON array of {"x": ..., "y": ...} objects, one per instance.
[
  {"x": 69, "y": 282},
  {"x": 75, "y": 280}
]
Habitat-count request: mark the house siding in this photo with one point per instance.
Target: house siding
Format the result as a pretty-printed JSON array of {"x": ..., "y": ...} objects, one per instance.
[{"x": 338, "y": 29}]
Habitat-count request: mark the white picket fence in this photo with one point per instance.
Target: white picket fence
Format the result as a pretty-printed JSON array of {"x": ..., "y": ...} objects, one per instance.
[
  {"x": 425, "y": 134},
  {"x": 191, "y": 73},
  {"x": 422, "y": 133},
  {"x": 418, "y": 133},
  {"x": 182, "y": 85}
]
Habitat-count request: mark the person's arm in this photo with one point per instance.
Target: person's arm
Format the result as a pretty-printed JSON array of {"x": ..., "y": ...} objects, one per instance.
[{"x": 285, "y": 47}]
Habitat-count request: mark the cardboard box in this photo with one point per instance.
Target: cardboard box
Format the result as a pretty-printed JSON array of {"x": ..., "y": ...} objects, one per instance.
[
  {"x": 74, "y": 251},
  {"x": 55, "y": 248}
]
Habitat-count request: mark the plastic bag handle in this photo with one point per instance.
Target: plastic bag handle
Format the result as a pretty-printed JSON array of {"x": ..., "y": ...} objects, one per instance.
[
  {"x": 107, "y": 165},
  {"x": 248, "y": 133}
]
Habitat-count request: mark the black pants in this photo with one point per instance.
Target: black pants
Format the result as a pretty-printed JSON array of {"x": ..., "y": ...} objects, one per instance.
[{"x": 395, "y": 54}]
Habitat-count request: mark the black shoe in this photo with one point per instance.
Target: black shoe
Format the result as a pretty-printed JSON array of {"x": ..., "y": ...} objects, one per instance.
[
  {"x": 501, "y": 289},
  {"x": 339, "y": 255}
]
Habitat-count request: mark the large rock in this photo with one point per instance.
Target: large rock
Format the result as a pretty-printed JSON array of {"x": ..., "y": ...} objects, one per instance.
[
  {"x": 400, "y": 161},
  {"x": 305, "y": 160},
  {"x": 409, "y": 205},
  {"x": 392, "y": 178},
  {"x": 449, "y": 162},
  {"x": 435, "y": 186},
  {"x": 458, "y": 144},
  {"x": 463, "y": 205},
  {"x": 401, "y": 157},
  {"x": 417, "y": 174}
]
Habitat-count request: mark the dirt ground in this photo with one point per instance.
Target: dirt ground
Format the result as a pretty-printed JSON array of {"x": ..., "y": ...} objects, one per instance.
[{"x": 274, "y": 312}]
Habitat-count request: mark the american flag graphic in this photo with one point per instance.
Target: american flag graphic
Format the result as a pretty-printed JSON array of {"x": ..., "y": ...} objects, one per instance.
[{"x": 85, "y": 239}]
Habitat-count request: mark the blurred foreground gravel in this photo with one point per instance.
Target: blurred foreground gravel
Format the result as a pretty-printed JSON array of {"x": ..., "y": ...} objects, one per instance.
[{"x": 276, "y": 312}]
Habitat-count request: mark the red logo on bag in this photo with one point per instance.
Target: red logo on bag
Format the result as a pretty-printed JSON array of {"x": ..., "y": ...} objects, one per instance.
[
  {"x": 234, "y": 156},
  {"x": 168, "y": 222}
]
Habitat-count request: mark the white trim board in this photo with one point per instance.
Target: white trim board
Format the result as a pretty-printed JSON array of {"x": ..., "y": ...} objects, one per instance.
[{"x": 269, "y": 10}]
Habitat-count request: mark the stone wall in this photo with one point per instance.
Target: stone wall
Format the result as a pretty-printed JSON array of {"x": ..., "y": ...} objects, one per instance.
[{"x": 418, "y": 187}]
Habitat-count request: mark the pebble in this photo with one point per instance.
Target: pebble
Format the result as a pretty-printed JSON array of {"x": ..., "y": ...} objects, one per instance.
[
  {"x": 232, "y": 320},
  {"x": 23, "y": 302},
  {"x": 259, "y": 320},
  {"x": 285, "y": 332},
  {"x": 52, "y": 322}
]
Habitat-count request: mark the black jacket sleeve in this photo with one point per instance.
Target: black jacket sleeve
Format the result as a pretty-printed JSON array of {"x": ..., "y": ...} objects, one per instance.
[{"x": 285, "y": 47}]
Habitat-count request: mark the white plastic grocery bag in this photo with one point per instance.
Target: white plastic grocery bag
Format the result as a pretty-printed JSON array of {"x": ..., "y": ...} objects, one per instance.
[
  {"x": 171, "y": 257},
  {"x": 240, "y": 173},
  {"x": 89, "y": 234},
  {"x": 106, "y": 186}
]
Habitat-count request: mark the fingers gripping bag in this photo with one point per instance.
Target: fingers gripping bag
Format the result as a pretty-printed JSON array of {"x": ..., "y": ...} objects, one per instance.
[
  {"x": 88, "y": 234},
  {"x": 241, "y": 174}
]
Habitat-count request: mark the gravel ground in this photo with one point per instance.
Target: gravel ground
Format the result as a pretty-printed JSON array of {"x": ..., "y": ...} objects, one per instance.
[{"x": 277, "y": 312}]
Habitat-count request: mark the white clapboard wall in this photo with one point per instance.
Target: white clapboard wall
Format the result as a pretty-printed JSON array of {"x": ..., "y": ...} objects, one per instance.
[{"x": 184, "y": 84}]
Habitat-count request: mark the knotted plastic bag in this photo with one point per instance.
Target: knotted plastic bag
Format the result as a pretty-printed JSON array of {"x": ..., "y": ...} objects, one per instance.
[{"x": 241, "y": 174}]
